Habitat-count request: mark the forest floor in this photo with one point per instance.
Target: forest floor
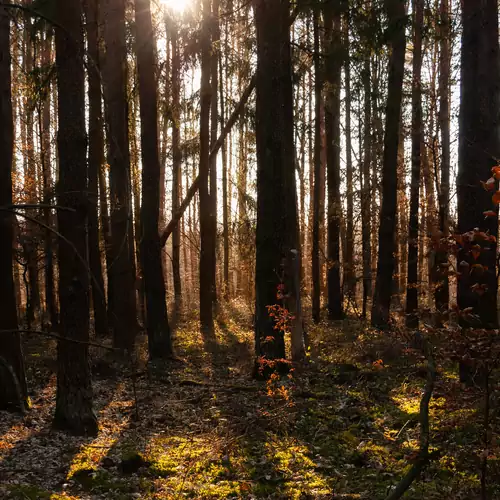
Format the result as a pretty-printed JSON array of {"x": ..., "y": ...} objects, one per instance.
[{"x": 343, "y": 426}]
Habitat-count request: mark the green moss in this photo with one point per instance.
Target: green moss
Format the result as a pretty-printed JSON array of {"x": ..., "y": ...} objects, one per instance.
[{"x": 30, "y": 492}]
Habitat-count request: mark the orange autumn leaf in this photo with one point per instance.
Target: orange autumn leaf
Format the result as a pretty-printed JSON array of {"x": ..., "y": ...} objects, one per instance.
[
  {"x": 496, "y": 172},
  {"x": 496, "y": 198}
]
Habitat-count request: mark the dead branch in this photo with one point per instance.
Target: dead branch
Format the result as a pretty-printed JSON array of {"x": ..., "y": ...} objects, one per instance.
[{"x": 423, "y": 455}]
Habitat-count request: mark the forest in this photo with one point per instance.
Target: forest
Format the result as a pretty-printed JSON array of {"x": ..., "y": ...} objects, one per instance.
[{"x": 248, "y": 249}]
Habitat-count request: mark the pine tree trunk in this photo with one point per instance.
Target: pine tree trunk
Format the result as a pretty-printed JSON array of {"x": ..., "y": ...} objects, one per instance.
[
  {"x": 402, "y": 234},
  {"x": 13, "y": 390},
  {"x": 333, "y": 68},
  {"x": 123, "y": 302},
  {"x": 214, "y": 127},
  {"x": 416, "y": 161},
  {"x": 277, "y": 225},
  {"x": 176, "y": 164},
  {"x": 159, "y": 339},
  {"x": 30, "y": 245},
  {"x": 74, "y": 389},
  {"x": 478, "y": 150},
  {"x": 319, "y": 187},
  {"x": 45, "y": 156},
  {"x": 225, "y": 197},
  {"x": 95, "y": 158},
  {"x": 441, "y": 295},
  {"x": 206, "y": 244},
  {"x": 349, "y": 277},
  {"x": 385, "y": 265},
  {"x": 136, "y": 237},
  {"x": 366, "y": 187}
]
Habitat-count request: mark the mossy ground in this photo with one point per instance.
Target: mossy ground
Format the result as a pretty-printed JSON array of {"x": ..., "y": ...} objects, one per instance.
[{"x": 343, "y": 426}]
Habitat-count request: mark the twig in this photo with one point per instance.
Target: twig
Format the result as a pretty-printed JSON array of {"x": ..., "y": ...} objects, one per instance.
[
  {"x": 402, "y": 429},
  {"x": 60, "y": 337},
  {"x": 423, "y": 455},
  {"x": 28, "y": 206},
  {"x": 486, "y": 435}
]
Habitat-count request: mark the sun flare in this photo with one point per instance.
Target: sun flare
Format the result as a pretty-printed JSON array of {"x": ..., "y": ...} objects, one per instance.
[{"x": 178, "y": 6}]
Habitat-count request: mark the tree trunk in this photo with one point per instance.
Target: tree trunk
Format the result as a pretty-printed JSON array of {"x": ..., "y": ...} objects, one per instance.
[
  {"x": 74, "y": 389},
  {"x": 225, "y": 197},
  {"x": 441, "y": 276},
  {"x": 30, "y": 246},
  {"x": 124, "y": 309},
  {"x": 206, "y": 234},
  {"x": 176, "y": 164},
  {"x": 478, "y": 151},
  {"x": 349, "y": 270},
  {"x": 214, "y": 127},
  {"x": 416, "y": 161},
  {"x": 366, "y": 186},
  {"x": 319, "y": 177},
  {"x": 385, "y": 265},
  {"x": 13, "y": 390},
  {"x": 159, "y": 339},
  {"x": 45, "y": 156},
  {"x": 103, "y": 196},
  {"x": 136, "y": 237},
  {"x": 95, "y": 158},
  {"x": 277, "y": 231},
  {"x": 333, "y": 68}
]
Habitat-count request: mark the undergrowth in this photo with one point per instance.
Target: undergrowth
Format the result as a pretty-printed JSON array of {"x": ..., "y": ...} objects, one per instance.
[{"x": 345, "y": 425}]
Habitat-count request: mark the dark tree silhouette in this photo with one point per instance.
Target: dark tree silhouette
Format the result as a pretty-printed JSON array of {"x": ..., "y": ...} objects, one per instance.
[
  {"x": 74, "y": 390},
  {"x": 122, "y": 299},
  {"x": 333, "y": 70},
  {"x": 13, "y": 391},
  {"x": 277, "y": 229},
  {"x": 479, "y": 149},
  {"x": 159, "y": 340},
  {"x": 96, "y": 159},
  {"x": 416, "y": 160},
  {"x": 385, "y": 266}
]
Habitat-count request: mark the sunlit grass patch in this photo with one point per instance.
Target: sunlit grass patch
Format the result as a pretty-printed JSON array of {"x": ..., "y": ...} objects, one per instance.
[{"x": 292, "y": 463}]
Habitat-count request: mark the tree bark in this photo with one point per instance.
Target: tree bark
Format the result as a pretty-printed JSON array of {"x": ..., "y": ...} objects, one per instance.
[
  {"x": 416, "y": 161},
  {"x": 45, "y": 157},
  {"x": 74, "y": 389},
  {"x": 214, "y": 127},
  {"x": 95, "y": 159},
  {"x": 225, "y": 197},
  {"x": 124, "y": 310},
  {"x": 176, "y": 164},
  {"x": 366, "y": 186},
  {"x": 159, "y": 339},
  {"x": 30, "y": 246},
  {"x": 441, "y": 295},
  {"x": 333, "y": 69},
  {"x": 206, "y": 234},
  {"x": 349, "y": 270},
  {"x": 385, "y": 265},
  {"x": 13, "y": 390},
  {"x": 277, "y": 231},
  {"x": 478, "y": 151},
  {"x": 318, "y": 195}
]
